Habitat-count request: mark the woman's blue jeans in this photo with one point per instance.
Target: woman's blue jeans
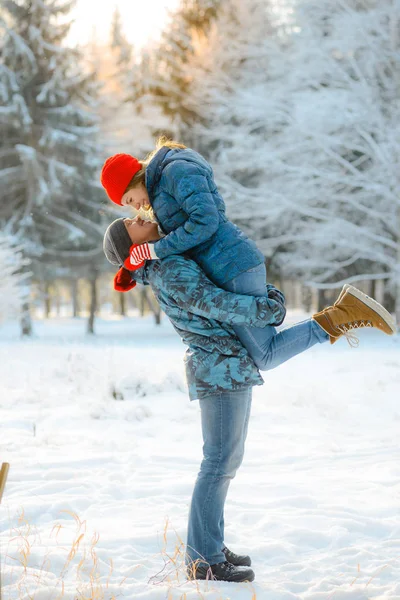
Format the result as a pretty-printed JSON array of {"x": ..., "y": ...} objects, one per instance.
[
  {"x": 267, "y": 347},
  {"x": 224, "y": 423}
]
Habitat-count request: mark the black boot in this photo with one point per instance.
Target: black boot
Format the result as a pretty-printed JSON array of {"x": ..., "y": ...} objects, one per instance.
[
  {"x": 235, "y": 559},
  {"x": 223, "y": 571}
]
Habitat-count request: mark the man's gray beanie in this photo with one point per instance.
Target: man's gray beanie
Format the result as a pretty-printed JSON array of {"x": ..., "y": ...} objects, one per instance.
[{"x": 116, "y": 243}]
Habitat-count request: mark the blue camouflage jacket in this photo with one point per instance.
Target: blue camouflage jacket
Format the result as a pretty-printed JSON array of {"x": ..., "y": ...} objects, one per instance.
[
  {"x": 203, "y": 315},
  {"x": 191, "y": 212}
]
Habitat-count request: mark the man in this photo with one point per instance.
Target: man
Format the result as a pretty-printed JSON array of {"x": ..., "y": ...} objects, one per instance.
[{"x": 220, "y": 374}]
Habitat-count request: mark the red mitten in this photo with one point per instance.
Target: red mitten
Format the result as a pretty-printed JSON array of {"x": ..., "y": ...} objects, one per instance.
[
  {"x": 138, "y": 254},
  {"x": 123, "y": 281}
]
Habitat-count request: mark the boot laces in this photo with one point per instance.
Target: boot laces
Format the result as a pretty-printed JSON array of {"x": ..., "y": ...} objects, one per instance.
[
  {"x": 229, "y": 566},
  {"x": 229, "y": 569},
  {"x": 346, "y": 330}
]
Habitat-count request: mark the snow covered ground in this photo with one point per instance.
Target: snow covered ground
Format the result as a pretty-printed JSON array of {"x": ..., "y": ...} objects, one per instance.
[{"x": 105, "y": 446}]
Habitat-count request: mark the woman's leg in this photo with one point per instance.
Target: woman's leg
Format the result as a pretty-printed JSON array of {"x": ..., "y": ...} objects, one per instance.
[
  {"x": 268, "y": 348},
  {"x": 224, "y": 422}
]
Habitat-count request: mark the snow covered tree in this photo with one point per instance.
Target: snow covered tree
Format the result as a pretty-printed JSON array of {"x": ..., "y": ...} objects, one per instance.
[
  {"x": 49, "y": 156},
  {"x": 122, "y": 128},
  {"x": 12, "y": 281},
  {"x": 161, "y": 75},
  {"x": 298, "y": 113},
  {"x": 234, "y": 113},
  {"x": 336, "y": 159},
  {"x": 120, "y": 44}
]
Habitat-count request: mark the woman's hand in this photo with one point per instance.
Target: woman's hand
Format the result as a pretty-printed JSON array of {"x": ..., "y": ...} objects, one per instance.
[{"x": 138, "y": 256}]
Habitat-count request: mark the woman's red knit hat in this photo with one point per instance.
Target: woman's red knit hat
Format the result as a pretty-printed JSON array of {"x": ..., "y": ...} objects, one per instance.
[{"x": 116, "y": 173}]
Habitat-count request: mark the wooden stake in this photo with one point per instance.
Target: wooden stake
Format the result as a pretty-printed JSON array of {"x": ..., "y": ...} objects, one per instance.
[{"x": 3, "y": 478}]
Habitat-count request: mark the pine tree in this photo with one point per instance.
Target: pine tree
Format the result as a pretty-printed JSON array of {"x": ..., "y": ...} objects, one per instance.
[
  {"x": 233, "y": 112},
  {"x": 336, "y": 158},
  {"x": 48, "y": 127},
  {"x": 301, "y": 126},
  {"x": 122, "y": 128},
  {"x": 161, "y": 75},
  {"x": 12, "y": 280},
  {"x": 120, "y": 44},
  {"x": 49, "y": 154}
]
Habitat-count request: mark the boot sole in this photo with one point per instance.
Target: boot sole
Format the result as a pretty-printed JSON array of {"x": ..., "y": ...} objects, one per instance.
[
  {"x": 378, "y": 308},
  {"x": 249, "y": 579},
  {"x": 203, "y": 576}
]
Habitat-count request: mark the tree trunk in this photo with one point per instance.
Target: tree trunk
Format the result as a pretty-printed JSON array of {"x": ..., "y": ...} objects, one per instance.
[
  {"x": 58, "y": 301},
  {"x": 306, "y": 299},
  {"x": 142, "y": 303},
  {"x": 397, "y": 284},
  {"x": 389, "y": 300},
  {"x": 74, "y": 296},
  {"x": 397, "y": 303},
  {"x": 321, "y": 300},
  {"x": 26, "y": 321},
  {"x": 157, "y": 314},
  {"x": 154, "y": 307},
  {"x": 133, "y": 300},
  {"x": 122, "y": 304},
  {"x": 372, "y": 288},
  {"x": 147, "y": 299},
  {"x": 93, "y": 302},
  {"x": 47, "y": 302}
]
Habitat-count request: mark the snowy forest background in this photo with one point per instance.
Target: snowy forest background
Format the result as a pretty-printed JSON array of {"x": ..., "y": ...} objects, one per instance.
[{"x": 295, "y": 103}]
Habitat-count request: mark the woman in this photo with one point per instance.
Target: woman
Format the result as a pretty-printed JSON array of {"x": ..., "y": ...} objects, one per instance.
[{"x": 177, "y": 185}]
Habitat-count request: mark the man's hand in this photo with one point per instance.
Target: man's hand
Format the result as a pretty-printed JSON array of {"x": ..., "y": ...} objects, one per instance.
[
  {"x": 282, "y": 311},
  {"x": 278, "y": 297},
  {"x": 275, "y": 294}
]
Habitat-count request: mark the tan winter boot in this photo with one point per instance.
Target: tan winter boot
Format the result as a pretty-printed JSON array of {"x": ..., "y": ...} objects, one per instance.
[
  {"x": 344, "y": 288},
  {"x": 352, "y": 310}
]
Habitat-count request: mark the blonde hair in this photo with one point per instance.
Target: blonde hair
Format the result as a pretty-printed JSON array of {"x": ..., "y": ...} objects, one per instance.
[{"x": 139, "y": 177}]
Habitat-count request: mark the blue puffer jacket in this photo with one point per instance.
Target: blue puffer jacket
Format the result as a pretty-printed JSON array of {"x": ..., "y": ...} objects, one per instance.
[{"x": 191, "y": 212}]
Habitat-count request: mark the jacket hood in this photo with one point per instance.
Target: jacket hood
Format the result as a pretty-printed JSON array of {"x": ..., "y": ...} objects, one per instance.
[
  {"x": 167, "y": 155},
  {"x": 186, "y": 154}
]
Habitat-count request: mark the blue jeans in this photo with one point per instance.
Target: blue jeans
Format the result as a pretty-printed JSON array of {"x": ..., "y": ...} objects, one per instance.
[
  {"x": 224, "y": 423},
  {"x": 268, "y": 348}
]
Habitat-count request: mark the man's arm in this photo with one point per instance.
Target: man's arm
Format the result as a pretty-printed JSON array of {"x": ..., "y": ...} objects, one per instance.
[{"x": 190, "y": 289}]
